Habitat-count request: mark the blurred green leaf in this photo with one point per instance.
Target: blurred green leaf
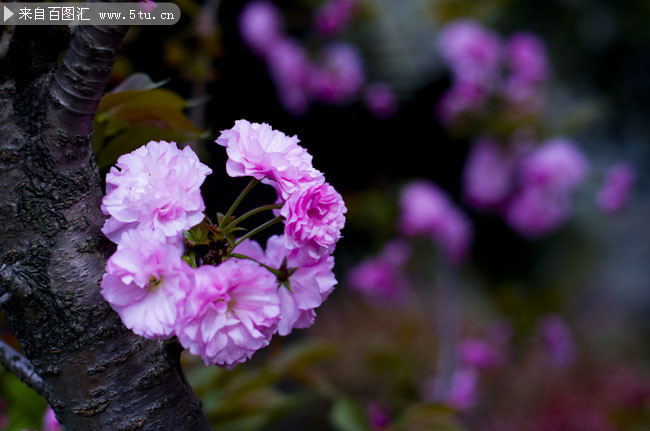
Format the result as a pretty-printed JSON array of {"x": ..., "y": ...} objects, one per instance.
[
  {"x": 24, "y": 406},
  {"x": 348, "y": 415}
]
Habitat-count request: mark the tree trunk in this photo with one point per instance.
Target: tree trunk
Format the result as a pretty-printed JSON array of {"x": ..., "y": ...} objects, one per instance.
[{"x": 96, "y": 374}]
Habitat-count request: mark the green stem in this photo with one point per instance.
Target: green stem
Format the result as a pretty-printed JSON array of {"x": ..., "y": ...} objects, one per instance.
[
  {"x": 240, "y": 198},
  {"x": 252, "y": 213},
  {"x": 243, "y": 256},
  {"x": 258, "y": 230}
]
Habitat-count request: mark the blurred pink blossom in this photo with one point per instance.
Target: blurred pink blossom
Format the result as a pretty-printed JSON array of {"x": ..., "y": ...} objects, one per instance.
[
  {"x": 479, "y": 353},
  {"x": 557, "y": 340},
  {"x": 290, "y": 68},
  {"x": 463, "y": 97},
  {"x": 535, "y": 211},
  {"x": 616, "y": 190},
  {"x": 557, "y": 164},
  {"x": 333, "y": 16},
  {"x": 526, "y": 58},
  {"x": 260, "y": 25},
  {"x": 488, "y": 177},
  {"x": 49, "y": 421},
  {"x": 338, "y": 75},
  {"x": 464, "y": 385},
  {"x": 380, "y": 100},
  {"x": 381, "y": 276}
]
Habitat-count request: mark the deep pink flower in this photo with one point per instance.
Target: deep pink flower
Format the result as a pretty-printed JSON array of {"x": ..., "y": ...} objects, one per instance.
[
  {"x": 616, "y": 189},
  {"x": 290, "y": 69},
  {"x": 488, "y": 174},
  {"x": 339, "y": 75},
  {"x": 308, "y": 287},
  {"x": 472, "y": 52},
  {"x": 464, "y": 385},
  {"x": 526, "y": 58},
  {"x": 50, "y": 423},
  {"x": 478, "y": 353},
  {"x": 231, "y": 312},
  {"x": 535, "y": 211},
  {"x": 333, "y": 16},
  {"x": 314, "y": 217},
  {"x": 269, "y": 155},
  {"x": 145, "y": 281},
  {"x": 380, "y": 100},
  {"x": 557, "y": 164},
  {"x": 557, "y": 340},
  {"x": 260, "y": 25},
  {"x": 154, "y": 188}
]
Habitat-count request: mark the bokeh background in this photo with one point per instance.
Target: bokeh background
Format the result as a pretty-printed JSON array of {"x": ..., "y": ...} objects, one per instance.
[{"x": 494, "y": 269}]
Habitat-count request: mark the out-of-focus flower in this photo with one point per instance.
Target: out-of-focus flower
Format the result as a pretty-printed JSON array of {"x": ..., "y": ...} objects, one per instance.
[
  {"x": 479, "y": 354},
  {"x": 463, "y": 97},
  {"x": 314, "y": 217},
  {"x": 616, "y": 189},
  {"x": 145, "y": 281},
  {"x": 339, "y": 75},
  {"x": 332, "y": 17},
  {"x": 535, "y": 211},
  {"x": 557, "y": 164},
  {"x": 231, "y": 312},
  {"x": 304, "y": 290},
  {"x": 557, "y": 340},
  {"x": 380, "y": 100},
  {"x": 148, "y": 5},
  {"x": 426, "y": 210},
  {"x": 526, "y": 58},
  {"x": 260, "y": 25},
  {"x": 381, "y": 276},
  {"x": 464, "y": 385},
  {"x": 488, "y": 177},
  {"x": 154, "y": 188},
  {"x": 472, "y": 52},
  {"x": 290, "y": 68},
  {"x": 378, "y": 416},
  {"x": 49, "y": 421},
  {"x": 269, "y": 155}
]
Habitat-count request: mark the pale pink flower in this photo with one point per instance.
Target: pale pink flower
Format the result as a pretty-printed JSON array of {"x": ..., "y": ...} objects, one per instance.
[
  {"x": 557, "y": 164},
  {"x": 231, "y": 312},
  {"x": 314, "y": 217},
  {"x": 290, "y": 69},
  {"x": 339, "y": 75},
  {"x": 50, "y": 423},
  {"x": 260, "y": 25},
  {"x": 380, "y": 100},
  {"x": 304, "y": 290},
  {"x": 616, "y": 189},
  {"x": 488, "y": 177},
  {"x": 333, "y": 16},
  {"x": 258, "y": 151},
  {"x": 154, "y": 188},
  {"x": 145, "y": 281},
  {"x": 464, "y": 386}
]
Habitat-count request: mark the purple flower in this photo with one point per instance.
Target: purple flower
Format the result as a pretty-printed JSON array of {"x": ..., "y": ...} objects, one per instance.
[
  {"x": 304, "y": 290},
  {"x": 154, "y": 188},
  {"x": 231, "y": 312},
  {"x": 380, "y": 276},
  {"x": 526, "y": 58},
  {"x": 269, "y": 155},
  {"x": 464, "y": 384},
  {"x": 479, "y": 354},
  {"x": 426, "y": 210},
  {"x": 145, "y": 281},
  {"x": 488, "y": 174},
  {"x": 557, "y": 164},
  {"x": 260, "y": 25},
  {"x": 314, "y": 217},
  {"x": 472, "y": 52},
  {"x": 49, "y": 421},
  {"x": 290, "y": 69},
  {"x": 535, "y": 211},
  {"x": 339, "y": 75},
  {"x": 333, "y": 16},
  {"x": 557, "y": 340},
  {"x": 380, "y": 100},
  {"x": 616, "y": 189}
]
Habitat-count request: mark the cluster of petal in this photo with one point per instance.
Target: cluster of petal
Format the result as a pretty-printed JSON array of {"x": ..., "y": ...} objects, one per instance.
[
  {"x": 154, "y": 188},
  {"x": 488, "y": 176},
  {"x": 338, "y": 76},
  {"x": 381, "y": 276},
  {"x": 426, "y": 210},
  {"x": 145, "y": 282},
  {"x": 617, "y": 188},
  {"x": 258, "y": 151},
  {"x": 260, "y": 25},
  {"x": 314, "y": 217},
  {"x": 332, "y": 17},
  {"x": 231, "y": 312}
]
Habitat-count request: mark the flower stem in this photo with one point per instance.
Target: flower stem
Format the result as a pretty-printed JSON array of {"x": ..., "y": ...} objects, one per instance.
[
  {"x": 235, "y": 204},
  {"x": 258, "y": 230},
  {"x": 243, "y": 256},
  {"x": 253, "y": 212}
]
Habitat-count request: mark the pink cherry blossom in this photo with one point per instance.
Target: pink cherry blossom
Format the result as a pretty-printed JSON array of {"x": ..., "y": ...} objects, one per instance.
[
  {"x": 260, "y": 25},
  {"x": 145, "y": 281},
  {"x": 616, "y": 189},
  {"x": 231, "y": 312},
  {"x": 339, "y": 75},
  {"x": 306, "y": 289},
  {"x": 154, "y": 188},
  {"x": 488, "y": 177},
  {"x": 557, "y": 164},
  {"x": 535, "y": 211},
  {"x": 50, "y": 423},
  {"x": 526, "y": 58},
  {"x": 314, "y": 217},
  {"x": 269, "y": 155},
  {"x": 377, "y": 278}
]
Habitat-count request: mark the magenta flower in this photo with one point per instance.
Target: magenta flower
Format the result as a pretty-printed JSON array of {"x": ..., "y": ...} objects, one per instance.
[
  {"x": 260, "y": 25},
  {"x": 338, "y": 76},
  {"x": 314, "y": 217},
  {"x": 479, "y": 354},
  {"x": 472, "y": 52},
  {"x": 557, "y": 164},
  {"x": 333, "y": 16},
  {"x": 305, "y": 290},
  {"x": 616, "y": 189},
  {"x": 464, "y": 385},
  {"x": 154, "y": 188},
  {"x": 557, "y": 340},
  {"x": 269, "y": 155},
  {"x": 290, "y": 69},
  {"x": 488, "y": 174},
  {"x": 231, "y": 312},
  {"x": 50, "y": 423},
  {"x": 425, "y": 210},
  {"x": 535, "y": 211},
  {"x": 380, "y": 100},
  {"x": 145, "y": 281}
]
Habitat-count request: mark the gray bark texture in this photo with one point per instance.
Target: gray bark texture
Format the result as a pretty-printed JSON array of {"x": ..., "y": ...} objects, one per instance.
[{"x": 94, "y": 372}]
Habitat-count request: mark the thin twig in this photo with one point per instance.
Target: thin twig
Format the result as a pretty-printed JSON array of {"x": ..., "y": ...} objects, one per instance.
[{"x": 22, "y": 368}]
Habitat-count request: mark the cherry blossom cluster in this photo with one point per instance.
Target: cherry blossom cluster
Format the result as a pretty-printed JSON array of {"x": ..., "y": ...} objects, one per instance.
[
  {"x": 335, "y": 75},
  {"x": 177, "y": 273}
]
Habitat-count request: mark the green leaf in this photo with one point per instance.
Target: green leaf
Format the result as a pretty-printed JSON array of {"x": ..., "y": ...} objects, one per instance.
[{"x": 348, "y": 415}]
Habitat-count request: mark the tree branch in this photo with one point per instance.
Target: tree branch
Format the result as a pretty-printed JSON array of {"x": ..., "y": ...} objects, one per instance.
[{"x": 21, "y": 367}]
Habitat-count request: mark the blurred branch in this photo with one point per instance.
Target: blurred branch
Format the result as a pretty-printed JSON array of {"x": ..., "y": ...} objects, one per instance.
[{"x": 21, "y": 367}]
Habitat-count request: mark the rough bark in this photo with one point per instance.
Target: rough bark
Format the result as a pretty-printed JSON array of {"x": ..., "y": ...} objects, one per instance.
[{"x": 96, "y": 374}]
